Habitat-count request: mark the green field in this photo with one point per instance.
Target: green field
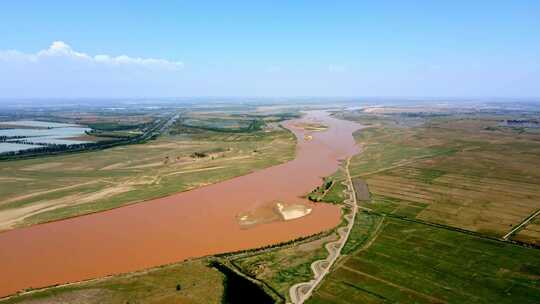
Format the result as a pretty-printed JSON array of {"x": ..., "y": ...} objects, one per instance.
[
  {"x": 364, "y": 229},
  {"x": 49, "y": 188},
  {"x": 410, "y": 262}
]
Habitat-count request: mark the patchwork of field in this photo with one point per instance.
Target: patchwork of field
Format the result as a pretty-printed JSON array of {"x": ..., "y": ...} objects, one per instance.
[
  {"x": 180, "y": 283},
  {"x": 50, "y": 188},
  {"x": 453, "y": 171},
  {"x": 412, "y": 262}
]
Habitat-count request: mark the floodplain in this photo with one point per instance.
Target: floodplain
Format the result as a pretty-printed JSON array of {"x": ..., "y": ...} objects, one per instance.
[
  {"x": 174, "y": 217},
  {"x": 45, "y": 189}
]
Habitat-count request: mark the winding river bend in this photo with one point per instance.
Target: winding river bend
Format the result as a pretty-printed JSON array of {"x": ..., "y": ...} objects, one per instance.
[{"x": 189, "y": 224}]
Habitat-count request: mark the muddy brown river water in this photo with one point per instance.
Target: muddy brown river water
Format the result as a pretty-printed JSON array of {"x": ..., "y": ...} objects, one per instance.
[{"x": 189, "y": 224}]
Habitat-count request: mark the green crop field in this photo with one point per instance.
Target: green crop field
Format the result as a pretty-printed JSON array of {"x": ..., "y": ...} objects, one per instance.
[{"x": 410, "y": 262}]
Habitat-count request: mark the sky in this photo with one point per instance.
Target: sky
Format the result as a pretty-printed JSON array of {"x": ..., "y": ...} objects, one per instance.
[{"x": 70, "y": 49}]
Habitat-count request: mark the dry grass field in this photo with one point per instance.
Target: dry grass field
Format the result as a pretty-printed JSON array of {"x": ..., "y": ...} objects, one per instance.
[
  {"x": 50, "y": 188},
  {"x": 453, "y": 171},
  {"x": 529, "y": 234}
]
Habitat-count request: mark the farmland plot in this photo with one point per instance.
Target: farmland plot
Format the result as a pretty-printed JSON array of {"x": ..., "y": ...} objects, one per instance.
[
  {"x": 453, "y": 172},
  {"x": 410, "y": 262}
]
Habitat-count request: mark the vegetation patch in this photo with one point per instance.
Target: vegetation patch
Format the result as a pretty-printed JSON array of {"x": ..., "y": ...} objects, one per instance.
[
  {"x": 282, "y": 268},
  {"x": 318, "y": 193},
  {"x": 410, "y": 262},
  {"x": 331, "y": 190},
  {"x": 312, "y": 126},
  {"x": 364, "y": 227}
]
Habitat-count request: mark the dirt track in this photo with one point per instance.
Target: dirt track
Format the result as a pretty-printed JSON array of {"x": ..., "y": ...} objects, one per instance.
[
  {"x": 521, "y": 225},
  {"x": 302, "y": 291}
]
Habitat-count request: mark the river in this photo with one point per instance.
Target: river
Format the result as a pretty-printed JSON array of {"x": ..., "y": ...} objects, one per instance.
[{"x": 189, "y": 224}]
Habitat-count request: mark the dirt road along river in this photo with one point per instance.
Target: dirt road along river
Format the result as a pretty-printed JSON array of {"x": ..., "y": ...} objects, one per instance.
[{"x": 184, "y": 225}]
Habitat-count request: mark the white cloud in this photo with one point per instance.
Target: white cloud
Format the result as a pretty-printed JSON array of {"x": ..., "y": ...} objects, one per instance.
[
  {"x": 60, "y": 48},
  {"x": 60, "y": 70},
  {"x": 62, "y": 51}
]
